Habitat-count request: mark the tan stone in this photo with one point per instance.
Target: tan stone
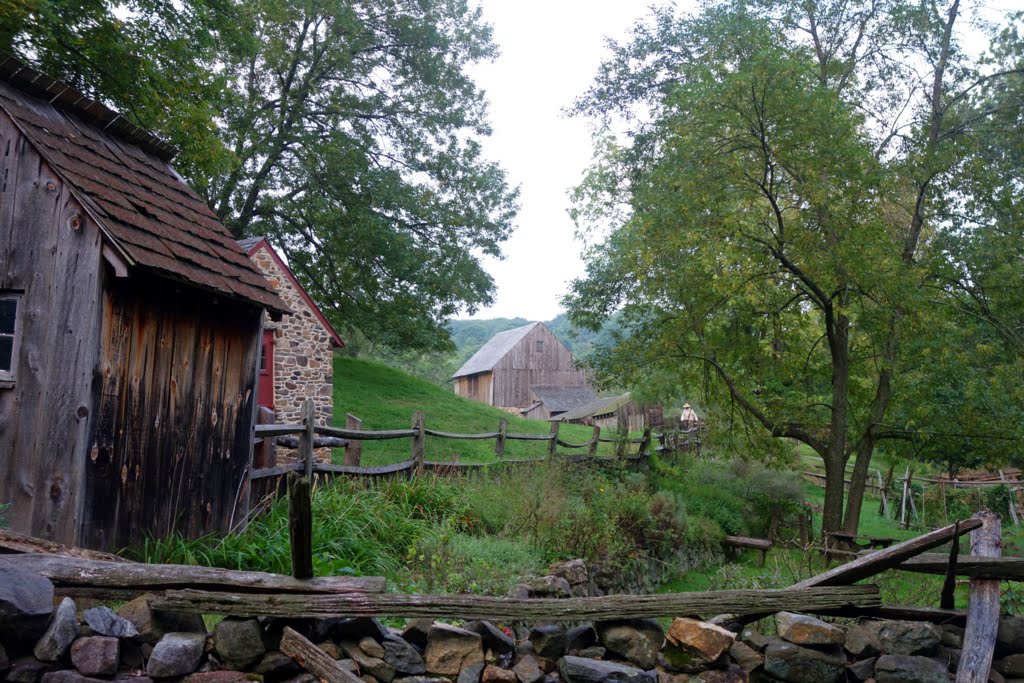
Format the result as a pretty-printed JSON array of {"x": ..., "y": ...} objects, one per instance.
[
  {"x": 701, "y": 637},
  {"x": 804, "y": 630},
  {"x": 450, "y": 650}
]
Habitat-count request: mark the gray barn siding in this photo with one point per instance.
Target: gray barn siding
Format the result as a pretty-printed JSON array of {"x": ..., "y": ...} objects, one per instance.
[
  {"x": 172, "y": 439},
  {"x": 45, "y": 417},
  {"x": 523, "y": 367}
]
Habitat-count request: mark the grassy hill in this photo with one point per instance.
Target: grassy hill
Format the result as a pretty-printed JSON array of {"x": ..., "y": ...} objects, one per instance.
[{"x": 386, "y": 398}]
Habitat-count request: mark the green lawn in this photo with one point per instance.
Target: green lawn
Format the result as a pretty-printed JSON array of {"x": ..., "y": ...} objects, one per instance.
[{"x": 385, "y": 398}]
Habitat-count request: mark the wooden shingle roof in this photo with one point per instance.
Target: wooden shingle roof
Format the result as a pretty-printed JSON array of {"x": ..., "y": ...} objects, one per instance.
[
  {"x": 494, "y": 350},
  {"x": 119, "y": 173}
]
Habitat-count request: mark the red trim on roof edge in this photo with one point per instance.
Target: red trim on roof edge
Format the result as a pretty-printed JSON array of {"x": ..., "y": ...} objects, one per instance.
[{"x": 335, "y": 337}]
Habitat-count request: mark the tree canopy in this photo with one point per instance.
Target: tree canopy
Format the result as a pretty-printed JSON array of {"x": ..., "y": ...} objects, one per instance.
[
  {"x": 346, "y": 131},
  {"x": 785, "y": 211}
]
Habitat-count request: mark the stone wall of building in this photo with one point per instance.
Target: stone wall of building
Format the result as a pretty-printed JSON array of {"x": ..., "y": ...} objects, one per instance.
[{"x": 302, "y": 352}]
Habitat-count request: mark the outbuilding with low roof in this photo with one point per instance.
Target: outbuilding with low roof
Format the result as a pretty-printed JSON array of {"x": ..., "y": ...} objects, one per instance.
[{"x": 129, "y": 330}]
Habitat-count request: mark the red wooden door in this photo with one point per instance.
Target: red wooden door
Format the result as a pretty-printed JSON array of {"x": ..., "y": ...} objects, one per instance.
[{"x": 265, "y": 383}]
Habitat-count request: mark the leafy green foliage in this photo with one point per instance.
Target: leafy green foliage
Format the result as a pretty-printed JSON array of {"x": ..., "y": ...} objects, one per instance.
[
  {"x": 347, "y": 132},
  {"x": 779, "y": 214}
]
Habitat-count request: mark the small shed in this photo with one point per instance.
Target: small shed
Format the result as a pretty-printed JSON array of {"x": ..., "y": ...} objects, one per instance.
[
  {"x": 296, "y": 353},
  {"x": 505, "y": 369},
  {"x": 549, "y": 401},
  {"x": 129, "y": 330},
  {"x": 608, "y": 413}
]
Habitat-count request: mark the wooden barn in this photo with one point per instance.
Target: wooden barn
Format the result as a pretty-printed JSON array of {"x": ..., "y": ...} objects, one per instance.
[
  {"x": 506, "y": 368},
  {"x": 610, "y": 412},
  {"x": 129, "y": 330}
]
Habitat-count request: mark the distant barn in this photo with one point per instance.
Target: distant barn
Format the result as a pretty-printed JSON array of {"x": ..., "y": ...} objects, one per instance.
[
  {"x": 129, "y": 330},
  {"x": 549, "y": 402},
  {"x": 507, "y": 368}
]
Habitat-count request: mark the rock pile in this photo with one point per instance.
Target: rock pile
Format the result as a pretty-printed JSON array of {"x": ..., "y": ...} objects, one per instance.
[{"x": 138, "y": 644}]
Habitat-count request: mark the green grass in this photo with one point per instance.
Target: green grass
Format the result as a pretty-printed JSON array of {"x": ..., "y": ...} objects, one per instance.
[{"x": 385, "y": 398}]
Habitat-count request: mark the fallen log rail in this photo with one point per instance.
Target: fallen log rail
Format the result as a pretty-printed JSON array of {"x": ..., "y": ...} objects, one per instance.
[
  {"x": 14, "y": 543},
  {"x": 551, "y": 609},
  {"x": 97, "y": 578},
  {"x": 881, "y": 560},
  {"x": 313, "y": 659},
  {"x": 1001, "y": 568}
]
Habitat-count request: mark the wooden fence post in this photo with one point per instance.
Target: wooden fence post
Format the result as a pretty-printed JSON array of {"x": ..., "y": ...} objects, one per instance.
[
  {"x": 645, "y": 445},
  {"x": 419, "y": 442},
  {"x": 300, "y": 526},
  {"x": 553, "y": 443},
  {"x": 982, "y": 606},
  {"x": 594, "y": 441},
  {"x": 307, "y": 436},
  {"x": 354, "y": 447},
  {"x": 499, "y": 442},
  {"x": 881, "y": 491},
  {"x": 1010, "y": 502}
]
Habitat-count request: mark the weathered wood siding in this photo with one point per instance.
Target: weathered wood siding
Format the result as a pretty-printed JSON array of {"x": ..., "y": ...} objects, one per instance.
[
  {"x": 45, "y": 415},
  {"x": 171, "y": 444},
  {"x": 477, "y": 387},
  {"x": 523, "y": 366},
  {"x": 634, "y": 419}
]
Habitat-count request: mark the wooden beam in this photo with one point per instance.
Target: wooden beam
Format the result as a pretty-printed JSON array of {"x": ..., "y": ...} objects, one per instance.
[
  {"x": 353, "y": 449},
  {"x": 982, "y": 606},
  {"x": 136, "y": 578},
  {"x": 11, "y": 542},
  {"x": 902, "y": 613},
  {"x": 548, "y": 609},
  {"x": 878, "y": 561},
  {"x": 499, "y": 441},
  {"x": 300, "y": 526},
  {"x": 306, "y": 439},
  {"x": 553, "y": 444},
  {"x": 1000, "y": 568},
  {"x": 314, "y": 660},
  {"x": 418, "y": 448}
]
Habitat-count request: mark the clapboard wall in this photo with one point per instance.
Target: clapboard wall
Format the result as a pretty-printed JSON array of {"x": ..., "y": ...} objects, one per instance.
[
  {"x": 50, "y": 259},
  {"x": 525, "y": 366}
]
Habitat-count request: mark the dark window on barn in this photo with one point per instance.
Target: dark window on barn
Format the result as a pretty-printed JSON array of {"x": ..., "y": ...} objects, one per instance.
[
  {"x": 540, "y": 346},
  {"x": 8, "y": 333},
  {"x": 263, "y": 358}
]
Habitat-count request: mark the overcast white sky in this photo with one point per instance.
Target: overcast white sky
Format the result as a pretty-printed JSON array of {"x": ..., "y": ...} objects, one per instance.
[{"x": 550, "y": 53}]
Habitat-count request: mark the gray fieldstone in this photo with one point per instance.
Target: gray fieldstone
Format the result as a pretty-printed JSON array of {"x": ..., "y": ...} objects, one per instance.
[
  {"x": 371, "y": 647},
  {"x": 636, "y": 640},
  {"x": 177, "y": 654},
  {"x": 520, "y": 591},
  {"x": 494, "y": 638},
  {"x": 909, "y": 669},
  {"x": 27, "y": 670},
  {"x": 862, "y": 670},
  {"x": 421, "y": 679},
  {"x": 96, "y": 655},
  {"x": 1011, "y": 666},
  {"x": 104, "y": 622},
  {"x": 378, "y": 668},
  {"x": 733, "y": 674},
  {"x": 59, "y": 635},
  {"x": 798, "y": 664},
  {"x": 215, "y": 677},
  {"x": 906, "y": 637},
  {"x": 756, "y": 640},
  {"x": 471, "y": 674},
  {"x": 548, "y": 640},
  {"x": 550, "y": 586},
  {"x": 26, "y": 603},
  {"x": 592, "y": 652},
  {"x": 951, "y": 636},
  {"x": 416, "y": 632},
  {"x": 527, "y": 670},
  {"x": 862, "y": 641},
  {"x": 357, "y": 628},
  {"x": 804, "y": 630},
  {"x": 579, "y": 638},
  {"x": 745, "y": 656},
  {"x": 403, "y": 656},
  {"x": 583, "y": 670},
  {"x": 153, "y": 625},
  {"x": 238, "y": 642},
  {"x": 450, "y": 650},
  {"x": 573, "y": 571},
  {"x": 5, "y": 663},
  {"x": 276, "y": 666}
]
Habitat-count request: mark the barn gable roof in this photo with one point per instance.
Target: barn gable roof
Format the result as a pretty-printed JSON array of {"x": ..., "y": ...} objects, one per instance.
[
  {"x": 120, "y": 175},
  {"x": 560, "y": 399},
  {"x": 494, "y": 350},
  {"x": 601, "y": 406},
  {"x": 253, "y": 244}
]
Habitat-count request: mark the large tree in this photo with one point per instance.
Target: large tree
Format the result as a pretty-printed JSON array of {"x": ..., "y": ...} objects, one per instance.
[
  {"x": 348, "y": 131},
  {"x": 777, "y": 208}
]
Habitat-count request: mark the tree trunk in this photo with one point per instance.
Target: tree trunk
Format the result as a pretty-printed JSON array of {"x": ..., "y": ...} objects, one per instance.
[{"x": 835, "y": 450}]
